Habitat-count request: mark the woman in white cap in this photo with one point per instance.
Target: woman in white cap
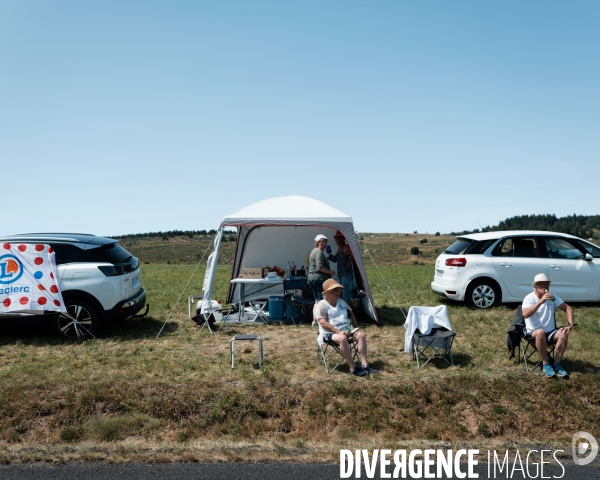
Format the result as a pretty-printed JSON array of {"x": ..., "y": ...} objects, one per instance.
[
  {"x": 318, "y": 267},
  {"x": 334, "y": 317}
]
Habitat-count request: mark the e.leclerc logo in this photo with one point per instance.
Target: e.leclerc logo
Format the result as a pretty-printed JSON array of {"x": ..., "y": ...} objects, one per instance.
[{"x": 11, "y": 269}]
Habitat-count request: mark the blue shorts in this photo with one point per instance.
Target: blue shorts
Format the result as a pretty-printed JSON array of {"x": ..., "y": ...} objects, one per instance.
[
  {"x": 549, "y": 336},
  {"x": 327, "y": 337}
]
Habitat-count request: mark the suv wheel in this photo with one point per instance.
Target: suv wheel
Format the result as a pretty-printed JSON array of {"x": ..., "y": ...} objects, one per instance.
[
  {"x": 483, "y": 294},
  {"x": 86, "y": 321}
]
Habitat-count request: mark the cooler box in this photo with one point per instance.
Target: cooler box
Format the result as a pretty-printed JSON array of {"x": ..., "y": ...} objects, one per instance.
[{"x": 276, "y": 306}]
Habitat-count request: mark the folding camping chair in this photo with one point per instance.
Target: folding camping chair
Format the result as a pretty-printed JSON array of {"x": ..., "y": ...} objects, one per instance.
[
  {"x": 326, "y": 349},
  {"x": 437, "y": 343},
  {"x": 208, "y": 317},
  {"x": 429, "y": 335},
  {"x": 256, "y": 309},
  {"x": 516, "y": 340},
  {"x": 295, "y": 306}
]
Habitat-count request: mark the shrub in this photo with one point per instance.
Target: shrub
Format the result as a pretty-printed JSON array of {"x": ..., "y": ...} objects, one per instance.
[
  {"x": 423, "y": 240},
  {"x": 414, "y": 251},
  {"x": 437, "y": 234}
]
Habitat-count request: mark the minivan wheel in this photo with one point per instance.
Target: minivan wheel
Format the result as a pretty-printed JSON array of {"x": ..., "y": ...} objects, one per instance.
[
  {"x": 482, "y": 294},
  {"x": 84, "y": 324}
]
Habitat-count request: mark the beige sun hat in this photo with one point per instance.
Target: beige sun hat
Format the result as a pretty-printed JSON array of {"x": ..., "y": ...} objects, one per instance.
[
  {"x": 540, "y": 277},
  {"x": 330, "y": 284}
]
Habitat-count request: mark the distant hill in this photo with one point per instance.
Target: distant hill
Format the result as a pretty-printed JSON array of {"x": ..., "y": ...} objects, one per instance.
[{"x": 584, "y": 226}]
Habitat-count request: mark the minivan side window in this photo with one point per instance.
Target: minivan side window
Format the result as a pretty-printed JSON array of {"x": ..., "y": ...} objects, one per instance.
[
  {"x": 523, "y": 247},
  {"x": 593, "y": 249},
  {"x": 478, "y": 248},
  {"x": 562, "y": 248}
]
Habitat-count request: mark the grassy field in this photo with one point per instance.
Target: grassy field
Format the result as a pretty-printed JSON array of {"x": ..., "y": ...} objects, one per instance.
[{"x": 129, "y": 395}]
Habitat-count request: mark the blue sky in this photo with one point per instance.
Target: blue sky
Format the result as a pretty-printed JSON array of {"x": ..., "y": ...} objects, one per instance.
[{"x": 134, "y": 116}]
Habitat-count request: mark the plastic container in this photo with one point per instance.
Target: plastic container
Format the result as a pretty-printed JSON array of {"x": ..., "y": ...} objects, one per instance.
[{"x": 276, "y": 306}]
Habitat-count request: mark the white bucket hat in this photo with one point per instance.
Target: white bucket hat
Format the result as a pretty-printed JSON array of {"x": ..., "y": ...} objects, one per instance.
[
  {"x": 320, "y": 237},
  {"x": 540, "y": 277}
]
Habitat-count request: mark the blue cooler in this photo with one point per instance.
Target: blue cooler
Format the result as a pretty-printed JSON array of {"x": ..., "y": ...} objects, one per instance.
[{"x": 276, "y": 306}]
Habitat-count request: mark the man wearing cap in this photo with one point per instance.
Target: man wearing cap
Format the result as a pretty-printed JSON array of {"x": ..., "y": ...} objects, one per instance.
[
  {"x": 318, "y": 267},
  {"x": 538, "y": 311},
  {"x": 334, "y": 317}
]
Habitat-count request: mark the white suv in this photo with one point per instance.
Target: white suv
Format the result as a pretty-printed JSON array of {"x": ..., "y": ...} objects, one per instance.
[
  {"x": 484, "y": 269},
  {"x": 99, "y": 281}
]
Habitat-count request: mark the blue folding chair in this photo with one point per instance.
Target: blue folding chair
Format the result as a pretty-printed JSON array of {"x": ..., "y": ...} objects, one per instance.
[{"x": 296, "y": 307}]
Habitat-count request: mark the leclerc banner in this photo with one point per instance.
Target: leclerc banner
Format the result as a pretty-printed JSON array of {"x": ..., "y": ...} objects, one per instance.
[{"x": 28, "y": 279}]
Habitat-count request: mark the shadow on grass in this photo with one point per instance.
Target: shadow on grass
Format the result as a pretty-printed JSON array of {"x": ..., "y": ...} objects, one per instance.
[
  {"x": 391, "y": 315},
  {"x": 574, "y": 365},
  {"x": 36, "y": 330}
]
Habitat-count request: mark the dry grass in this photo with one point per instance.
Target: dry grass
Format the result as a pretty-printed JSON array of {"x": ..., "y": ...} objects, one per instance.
[{"x": 131, "y": 396}]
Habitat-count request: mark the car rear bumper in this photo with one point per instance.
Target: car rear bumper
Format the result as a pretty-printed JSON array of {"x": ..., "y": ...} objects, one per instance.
[
  {"x": 127, "y": 308},
  {"x": 447, "y": 291}
]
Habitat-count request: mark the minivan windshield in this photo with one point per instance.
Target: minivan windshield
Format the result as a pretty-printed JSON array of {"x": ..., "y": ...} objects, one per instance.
[{"x": 458, "y": 247}]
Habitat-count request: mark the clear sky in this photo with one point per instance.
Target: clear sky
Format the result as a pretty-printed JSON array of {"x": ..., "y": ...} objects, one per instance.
[{"x": 133, "y": 116}]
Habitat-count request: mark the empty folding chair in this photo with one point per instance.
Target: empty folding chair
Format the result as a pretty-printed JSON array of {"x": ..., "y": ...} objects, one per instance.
[
  {"x": 428, "y": 335},
  {"x": 204, "y": 313},
  {"x": 296, "y": 307}
]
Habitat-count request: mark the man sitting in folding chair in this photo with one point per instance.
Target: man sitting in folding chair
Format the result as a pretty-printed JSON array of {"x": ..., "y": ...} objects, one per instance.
[
  {"x": 538, "y": 310},
  {"x": 334, "y": 317}
]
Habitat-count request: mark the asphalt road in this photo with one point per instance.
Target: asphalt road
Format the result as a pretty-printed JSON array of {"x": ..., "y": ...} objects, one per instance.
[{"x": 231, "y": 471}]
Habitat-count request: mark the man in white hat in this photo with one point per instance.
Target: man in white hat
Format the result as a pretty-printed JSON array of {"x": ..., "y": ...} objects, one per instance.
[{"x": 538, "y": 310}]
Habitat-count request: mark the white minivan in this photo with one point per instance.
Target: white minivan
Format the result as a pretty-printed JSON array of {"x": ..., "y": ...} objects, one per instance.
[{"x": 485, "y": 269}]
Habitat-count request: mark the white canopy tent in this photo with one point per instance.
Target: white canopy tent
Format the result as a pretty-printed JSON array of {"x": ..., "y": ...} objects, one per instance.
[{"x": 282, "y": 229}]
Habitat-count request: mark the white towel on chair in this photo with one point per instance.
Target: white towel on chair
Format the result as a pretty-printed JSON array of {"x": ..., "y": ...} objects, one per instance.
[{"x": 424, "y": 319}]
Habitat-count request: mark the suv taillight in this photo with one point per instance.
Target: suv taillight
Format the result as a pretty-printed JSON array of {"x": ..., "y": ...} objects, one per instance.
[
  {"x": 112, "y": 270},
  {"x": 456, "y": 262}
]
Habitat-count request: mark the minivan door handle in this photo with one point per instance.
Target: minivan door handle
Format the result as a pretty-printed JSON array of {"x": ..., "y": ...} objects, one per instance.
[
  {"x": 505, "y": 264},
  {"x": 554, "y": 266}
]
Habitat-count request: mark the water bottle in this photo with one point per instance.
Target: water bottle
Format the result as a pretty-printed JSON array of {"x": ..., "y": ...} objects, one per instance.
[
  {"x": 287, "y": 270},
  {"x": 293, "y": 269}
]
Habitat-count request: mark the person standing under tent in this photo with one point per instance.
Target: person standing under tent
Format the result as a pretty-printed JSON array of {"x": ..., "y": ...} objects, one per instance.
[
  {"x": 318, "y": 268},
  {"x": 345, "y": 269}
]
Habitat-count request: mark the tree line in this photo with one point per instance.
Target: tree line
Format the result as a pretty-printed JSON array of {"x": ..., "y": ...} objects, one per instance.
[
  {"x": 174, "y": 233},
  {"x": 579, "y": 225}
]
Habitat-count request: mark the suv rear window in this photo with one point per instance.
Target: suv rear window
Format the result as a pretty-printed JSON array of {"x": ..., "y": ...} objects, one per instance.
[
  {"x": 458, "y": 247},
  {"x": 111, "y": 253}
]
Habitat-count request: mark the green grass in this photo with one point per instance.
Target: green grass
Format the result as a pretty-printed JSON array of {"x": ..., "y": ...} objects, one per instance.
[{"x": 176, "y": 398}]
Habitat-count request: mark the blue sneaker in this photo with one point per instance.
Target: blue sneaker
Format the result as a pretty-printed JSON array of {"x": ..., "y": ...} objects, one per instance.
[
  {"x": 548, "y": 370},
  {"x": 560, "y": 371},
  {"x": 369, "y": 369},
  {"x": 358, "y": 371}
]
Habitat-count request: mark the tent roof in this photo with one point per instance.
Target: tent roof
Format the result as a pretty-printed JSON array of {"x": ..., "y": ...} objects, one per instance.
[{"x": 291, "y": 209}]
